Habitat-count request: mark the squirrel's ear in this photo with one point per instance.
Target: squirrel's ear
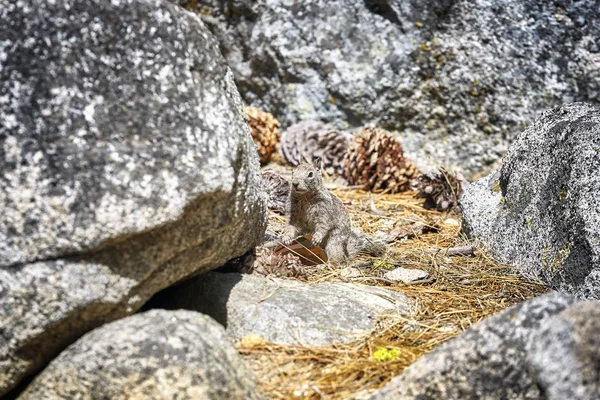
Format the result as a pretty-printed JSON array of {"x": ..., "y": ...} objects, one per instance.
[{"x": 318, "y": 163}]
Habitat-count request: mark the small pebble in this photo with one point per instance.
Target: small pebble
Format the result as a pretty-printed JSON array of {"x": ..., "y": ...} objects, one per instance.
[
  {"x": 452, "y": 222},
  {"x": 350, "y": 272},
  {"x": 406, "y": 275}
]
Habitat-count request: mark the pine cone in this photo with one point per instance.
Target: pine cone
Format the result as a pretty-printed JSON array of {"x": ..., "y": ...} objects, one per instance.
[
  {"x": 292, "y": 140},
  {"x": 273, "y": 264},
  {"x": 309, "y": 140},
  {"x": 265, "y": 132},
  {"x": 441, "y": 189},
  {"x": 277, "y": 188},
  {"x": 375, "y": 159}
]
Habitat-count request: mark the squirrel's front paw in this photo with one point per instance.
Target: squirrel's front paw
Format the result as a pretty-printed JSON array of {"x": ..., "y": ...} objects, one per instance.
[
  {"x": 288, "y": 235},
  {"x": 286, "y": 240},
  {"x": 317, "y": 238}
]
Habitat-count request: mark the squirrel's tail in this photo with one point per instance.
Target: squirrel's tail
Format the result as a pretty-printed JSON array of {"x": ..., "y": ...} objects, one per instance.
[{"x": 361, "y": 243}]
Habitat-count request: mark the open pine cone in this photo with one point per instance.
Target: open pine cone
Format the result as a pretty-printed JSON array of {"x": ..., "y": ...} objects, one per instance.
[
  {"x": 375, "y": 159},
  {"x": 277, "y": 188},
  {"x": 273, "y": 264},
  {"x": 441, "y": 189},
  {"x": 309, "y": 140},
  {"x": 265, "y": 132}
]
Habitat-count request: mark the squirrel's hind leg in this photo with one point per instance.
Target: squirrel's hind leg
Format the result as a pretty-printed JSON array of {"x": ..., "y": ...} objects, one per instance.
[{"x": 337, "y": 253}]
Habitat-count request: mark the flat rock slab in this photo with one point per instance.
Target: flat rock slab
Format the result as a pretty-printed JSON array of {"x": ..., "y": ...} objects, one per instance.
[
  {"x": 125, "y": 166},
  {"x": 406, "y": 275},
  {"x": 154, "y": 355},
  {"x": 286, "y": 311},
  {"x": 541, "y": 211},
  {"x": 545, "y": 348}
]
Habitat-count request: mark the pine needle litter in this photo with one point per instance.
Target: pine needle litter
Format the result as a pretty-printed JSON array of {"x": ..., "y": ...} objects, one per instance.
[{"x": 464, "y": 286}]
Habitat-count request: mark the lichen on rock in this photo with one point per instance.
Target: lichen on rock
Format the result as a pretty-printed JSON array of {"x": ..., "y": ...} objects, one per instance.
[{"x": 545, "y": 217}]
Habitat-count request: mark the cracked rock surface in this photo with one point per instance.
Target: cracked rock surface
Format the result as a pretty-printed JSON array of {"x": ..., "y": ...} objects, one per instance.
[{"x": 126, "y": 167}]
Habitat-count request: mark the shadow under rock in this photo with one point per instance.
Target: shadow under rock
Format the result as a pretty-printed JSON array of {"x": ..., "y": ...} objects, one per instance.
[{"x": 207, "y": 293}]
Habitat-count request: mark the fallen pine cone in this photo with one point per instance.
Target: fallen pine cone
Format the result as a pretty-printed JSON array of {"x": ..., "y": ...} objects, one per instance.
[
  {"x": 270, "y": 263},
  {"x": 309, "y": 140},
  {"x": 265, "y": 132},
  {"x": 277, "y": 188},
  {"x": 375, "y": 159},
  {"x": 440, "y": 189}
]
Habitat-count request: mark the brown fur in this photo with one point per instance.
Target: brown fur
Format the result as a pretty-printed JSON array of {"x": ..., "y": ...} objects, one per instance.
[{"x": 313, "y": 209}]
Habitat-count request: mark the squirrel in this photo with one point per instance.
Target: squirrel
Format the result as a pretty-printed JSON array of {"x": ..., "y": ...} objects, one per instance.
[{"x": 313, "y": 209}]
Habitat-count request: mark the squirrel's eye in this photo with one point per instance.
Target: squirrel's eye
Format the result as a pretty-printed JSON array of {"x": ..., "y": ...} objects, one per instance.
[{"x": 310, "y": 174}]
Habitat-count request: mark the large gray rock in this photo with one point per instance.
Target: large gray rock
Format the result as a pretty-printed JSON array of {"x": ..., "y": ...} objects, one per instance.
[
  {"x": 459, "y": 78},
  {"x": 125, "y": 166},
  {"x": 541, "y": 211},
  {"x": 286, "y": 311},
  {"x": 545, "y": 348},
  {"x": 155, "y": 355},
  {"x": 565, "y": 353}
]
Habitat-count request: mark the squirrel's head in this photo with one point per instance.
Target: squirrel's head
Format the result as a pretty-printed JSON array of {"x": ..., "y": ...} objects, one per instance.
[{"x": 307, "y": 177}]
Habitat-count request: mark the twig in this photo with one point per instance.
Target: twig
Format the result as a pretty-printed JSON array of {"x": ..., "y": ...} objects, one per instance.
[
  {"x": 370, "y": 278},
  {"x": 269, "y": 295},
  {"x": 344, "y": 188},
  {"x": 453, "y": 251},
  {"x": 374, "y": 209}
]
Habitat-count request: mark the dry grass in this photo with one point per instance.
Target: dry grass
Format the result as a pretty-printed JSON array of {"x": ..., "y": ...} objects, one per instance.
[{"x": 462, "y": 290}]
